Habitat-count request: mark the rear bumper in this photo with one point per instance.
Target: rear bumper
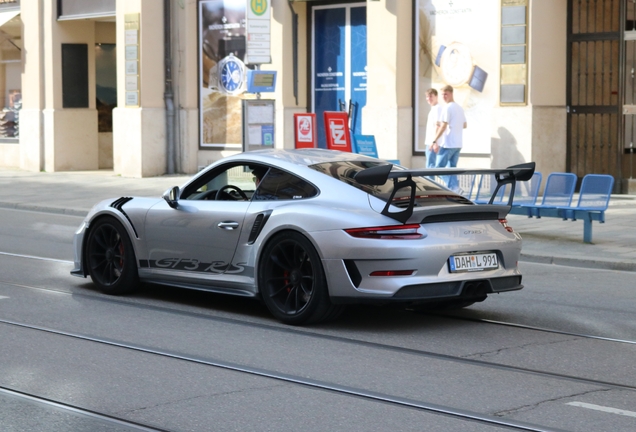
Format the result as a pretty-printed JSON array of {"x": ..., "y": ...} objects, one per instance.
[{"x": 468, "y": 290}]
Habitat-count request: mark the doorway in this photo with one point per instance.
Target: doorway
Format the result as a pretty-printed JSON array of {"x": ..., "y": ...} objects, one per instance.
[
  {"x": 339, "y": 63},
  {"x": 106, "y": 95},
  {"x": 594, "y": 92}
]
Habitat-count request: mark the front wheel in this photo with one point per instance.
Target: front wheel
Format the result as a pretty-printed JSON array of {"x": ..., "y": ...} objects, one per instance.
[
  {"x": 110, "y": 257},
  {"x": 292, "y": 281}
]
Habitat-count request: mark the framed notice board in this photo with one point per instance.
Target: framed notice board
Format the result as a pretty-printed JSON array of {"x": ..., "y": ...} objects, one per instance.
[
  {"x": 258, "y": 124},
  {"x": 514, "y": 53}
]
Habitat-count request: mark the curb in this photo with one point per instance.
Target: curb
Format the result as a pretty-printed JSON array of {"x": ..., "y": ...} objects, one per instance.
[
  {"x": 44, "y": 209},
  {"x": 579, "y": 262}
]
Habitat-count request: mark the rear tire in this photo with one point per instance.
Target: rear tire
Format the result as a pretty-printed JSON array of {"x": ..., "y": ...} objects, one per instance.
[
  {"x": 292, "y": 281},
  {"x": 110, "y": 257}
]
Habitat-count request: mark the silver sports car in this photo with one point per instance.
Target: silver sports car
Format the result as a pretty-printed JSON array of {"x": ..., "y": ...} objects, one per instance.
[{"x": 308, "y": 231}]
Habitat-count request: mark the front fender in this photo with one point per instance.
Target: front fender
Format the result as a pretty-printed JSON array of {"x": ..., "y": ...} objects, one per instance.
[{"x": 107, "y": 208}]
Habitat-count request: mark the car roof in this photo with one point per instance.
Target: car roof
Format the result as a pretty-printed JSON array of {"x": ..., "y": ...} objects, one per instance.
[
  {"x": 296, "y": 161},
  {"x": 305, "y": 157}
]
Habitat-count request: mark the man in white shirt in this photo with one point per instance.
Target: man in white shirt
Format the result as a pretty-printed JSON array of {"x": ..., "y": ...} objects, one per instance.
[
  {"x": 432, "y": 123},
  {"x": 453, "y": 123}
]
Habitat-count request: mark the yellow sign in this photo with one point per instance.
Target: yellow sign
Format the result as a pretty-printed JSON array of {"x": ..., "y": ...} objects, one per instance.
[{"x": 259, "y": 7}]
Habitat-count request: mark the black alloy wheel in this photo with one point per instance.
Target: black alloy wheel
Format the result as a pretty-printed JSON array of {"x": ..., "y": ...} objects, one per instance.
[
  {"x": 292, "y": 282},
  {"x": 110, "y": 257}
]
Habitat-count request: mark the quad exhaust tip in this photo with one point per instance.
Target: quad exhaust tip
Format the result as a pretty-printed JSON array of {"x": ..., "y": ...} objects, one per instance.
[{"x": 476, "y": 289}]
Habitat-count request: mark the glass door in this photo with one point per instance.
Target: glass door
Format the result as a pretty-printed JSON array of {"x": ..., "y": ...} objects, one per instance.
[{"x": 339, "y": 62}]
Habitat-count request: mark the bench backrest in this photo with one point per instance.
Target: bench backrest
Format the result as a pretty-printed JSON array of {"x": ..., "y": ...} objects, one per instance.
[
  {"x": 559, "y": 189},
  {"x": 485, "y": 188},
  {"x": 595, "y": 192},
  {"x": 526, "y": 192},
  {"x": 466, "y": 183}
]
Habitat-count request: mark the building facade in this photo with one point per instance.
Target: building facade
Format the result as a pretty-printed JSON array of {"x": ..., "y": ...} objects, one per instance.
[{"x": 133, "y": 86}]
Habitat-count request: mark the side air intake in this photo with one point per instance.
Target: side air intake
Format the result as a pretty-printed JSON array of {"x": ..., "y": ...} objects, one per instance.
[{"x": 259, "y": 223}]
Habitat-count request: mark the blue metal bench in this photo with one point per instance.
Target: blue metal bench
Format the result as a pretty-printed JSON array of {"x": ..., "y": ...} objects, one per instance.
[
  {"x": 466, "y": 184},
  {"x": 486, "y": 187},
  {"x": 527, "y": 192},
  {"x": 593, "y": 201},
  {"x": 558, "y": 192}
]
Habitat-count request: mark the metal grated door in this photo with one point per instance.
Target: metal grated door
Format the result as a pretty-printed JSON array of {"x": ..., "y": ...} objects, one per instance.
[
  {"x": 629, "y": 107},
  {"x": 594, "y": 87}
]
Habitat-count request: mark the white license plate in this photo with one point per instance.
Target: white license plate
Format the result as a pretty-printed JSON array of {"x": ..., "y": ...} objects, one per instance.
[{"x": 473, "y": 262}]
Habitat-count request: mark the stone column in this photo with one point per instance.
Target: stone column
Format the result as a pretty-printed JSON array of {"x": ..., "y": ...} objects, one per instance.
[
  {"x": 139, "y": 142},
  {"x": 31, "y": 121},
  {"x": 389, "y": 114},
  {"x": 55, "y": 138},
  {"x": 537, "y": 131}
]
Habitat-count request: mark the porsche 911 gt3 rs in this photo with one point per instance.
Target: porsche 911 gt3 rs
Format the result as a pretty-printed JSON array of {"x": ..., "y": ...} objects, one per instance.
[{"x": 308, "y": 231}]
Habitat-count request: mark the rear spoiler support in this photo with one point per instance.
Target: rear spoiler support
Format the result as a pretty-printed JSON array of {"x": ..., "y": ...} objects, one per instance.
[{"x": 380, "y": 174}]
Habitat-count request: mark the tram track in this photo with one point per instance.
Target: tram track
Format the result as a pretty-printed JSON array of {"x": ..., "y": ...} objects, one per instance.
[
  {"x": 77, "y": 410},
  {"x": 358, "y": 342},
  {"x": 448, "y": 316},
  {"x": 462, "y": 414},
  {"x": 138, "y": 302},
  {"x": 535, "y": 328}
]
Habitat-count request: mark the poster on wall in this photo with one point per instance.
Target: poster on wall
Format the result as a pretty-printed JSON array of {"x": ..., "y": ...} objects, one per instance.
[
  {"x": 456, "y": 44},
  {"x": 221, "y": 36}
]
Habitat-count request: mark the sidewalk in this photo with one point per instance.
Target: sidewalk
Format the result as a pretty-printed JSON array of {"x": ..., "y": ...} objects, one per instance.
[{"x": 545, "y": 240}]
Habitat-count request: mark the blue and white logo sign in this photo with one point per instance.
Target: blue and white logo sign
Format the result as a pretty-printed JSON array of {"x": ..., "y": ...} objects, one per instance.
[{"x": 231, "y": 72}]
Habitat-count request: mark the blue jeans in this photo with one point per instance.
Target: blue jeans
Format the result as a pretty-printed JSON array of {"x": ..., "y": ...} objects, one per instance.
[
  {"x": 447, "y": 158},
  {"x": 430, "y": 157}
]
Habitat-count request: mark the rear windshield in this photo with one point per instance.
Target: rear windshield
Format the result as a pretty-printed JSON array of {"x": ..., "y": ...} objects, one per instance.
[{"x": 427, "y": 192}]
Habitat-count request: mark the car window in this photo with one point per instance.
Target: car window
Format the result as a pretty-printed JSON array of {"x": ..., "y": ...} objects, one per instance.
[
  {"x": 281, "y": 185},
  {"x": 226, "y": 183},
  {"x": 241, "y": 182},
  {"x": 427, "y": 192}
]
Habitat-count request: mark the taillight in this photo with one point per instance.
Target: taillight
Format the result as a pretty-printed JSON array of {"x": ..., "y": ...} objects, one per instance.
[
  {"x": 504, "y": 223},
  {"x": 396, "y": 232}
]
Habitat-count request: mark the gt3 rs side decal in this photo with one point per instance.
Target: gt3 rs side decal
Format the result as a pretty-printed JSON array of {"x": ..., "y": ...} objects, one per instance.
[{"x": 191, "y": 264}]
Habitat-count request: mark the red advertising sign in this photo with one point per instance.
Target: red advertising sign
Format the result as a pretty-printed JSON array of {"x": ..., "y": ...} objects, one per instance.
[
  {"x": 305, "y": 130},
  {"x": 337, "y": 130}
]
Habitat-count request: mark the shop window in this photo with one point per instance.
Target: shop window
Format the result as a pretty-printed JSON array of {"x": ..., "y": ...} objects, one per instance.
[
  {"x": 75, "y": 75},
  {"x": 106, "y": 80},
  {"x": 82, "y": 9},
  {"x": 10, "y": 78}
]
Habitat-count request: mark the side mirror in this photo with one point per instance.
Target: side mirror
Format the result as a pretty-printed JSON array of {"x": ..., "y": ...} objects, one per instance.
[{"x": 172, "y": 196}]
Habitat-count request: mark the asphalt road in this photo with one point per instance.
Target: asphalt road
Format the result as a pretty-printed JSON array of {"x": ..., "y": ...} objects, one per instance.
[{"x": 557, "y": 355}]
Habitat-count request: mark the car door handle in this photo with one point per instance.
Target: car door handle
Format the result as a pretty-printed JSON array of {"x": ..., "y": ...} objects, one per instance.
[{"x": 228, "y": 225}]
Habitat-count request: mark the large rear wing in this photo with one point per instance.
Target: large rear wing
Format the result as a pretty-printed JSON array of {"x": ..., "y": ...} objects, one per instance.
[{"x": 380, "y": 174}]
